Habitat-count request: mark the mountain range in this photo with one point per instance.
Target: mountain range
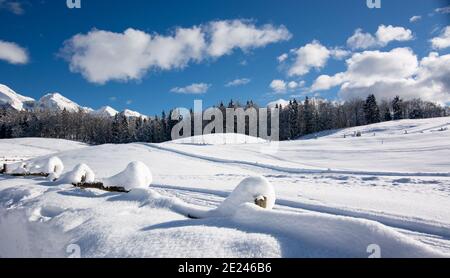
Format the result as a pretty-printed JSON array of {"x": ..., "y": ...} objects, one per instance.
[{"x": 55, "y": 102}]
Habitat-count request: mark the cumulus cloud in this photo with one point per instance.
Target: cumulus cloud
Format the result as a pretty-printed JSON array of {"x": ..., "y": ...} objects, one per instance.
[
  {"x": 13, "y": 53},
  {"x": 313, "y": 55},
  {"x": 282, "y": 57},
  {"x": 383, "y": 36},
  {"x": 443, "y": 10},
  {"x": 193, "y": 89},
  {"x": 101, "y": 56},
  {"x": 14, "y": 7},
  {"x": 231, "y": 34},
  {"x": 443, "y": 40},
  {"x": 280, "y": 86},
  {"x": 238, "y": 82},
  {"x": 415, "y": 18},
  {"x": 386, "y": 74}
]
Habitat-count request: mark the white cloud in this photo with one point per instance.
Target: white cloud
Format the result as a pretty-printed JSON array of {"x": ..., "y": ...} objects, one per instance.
[
  {"x": 443, "y": 40},
  {"x": 278, "y": 86},
  {"x": 444, "y": 10},
  {"x": 339, "y": 53},
  {"x": 386, "y": 74},
  {"x": 238, "y": 82},
  {"x": 13, "y": 53},
  {"x": 383, "y": 36},
  {"x": 231, "y": 34},
  {"x": 194, "y": 89},
  {"x": 102, "y": 56},
  {"x": 14, "y": 7},
  {"x": 292, "y": 85},
  {"x": 387, "y": 34},
  {"x": 282, "y": 57},
  {"x": 415, "y": 18},
  {"x": 313, "y": 55},
  {"x": 361, "y": 40}
]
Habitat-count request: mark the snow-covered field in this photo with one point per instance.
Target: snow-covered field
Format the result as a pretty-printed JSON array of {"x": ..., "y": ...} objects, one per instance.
[{"x": 337, "y": 196}]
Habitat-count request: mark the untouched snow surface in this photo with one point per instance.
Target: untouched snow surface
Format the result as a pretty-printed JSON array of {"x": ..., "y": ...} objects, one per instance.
[{"x": 335, "y": 197}]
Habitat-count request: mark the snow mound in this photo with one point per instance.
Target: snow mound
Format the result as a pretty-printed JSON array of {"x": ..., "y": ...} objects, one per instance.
[
  {"x": 219, "y": 139},
  {"x": 81, "y": 173},
  {"x": 10, "y": 98},
  {"x": 136, "y": 175},
  {"x": 52, "y": 166},
  {"x": 254, "y": 190}
]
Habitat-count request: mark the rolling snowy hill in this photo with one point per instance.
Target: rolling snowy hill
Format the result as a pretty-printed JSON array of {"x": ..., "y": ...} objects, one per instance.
[{"x": 335, "y": 197}]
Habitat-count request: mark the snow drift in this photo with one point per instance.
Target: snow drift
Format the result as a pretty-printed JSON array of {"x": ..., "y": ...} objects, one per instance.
[{"x": 136, "y": 175}]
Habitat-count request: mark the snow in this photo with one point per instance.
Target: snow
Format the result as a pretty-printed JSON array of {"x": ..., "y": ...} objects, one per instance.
[
  {"x": 249, "y": 190},
  {"x": 136, "y": 175},
  {"x": 81, "y": 173},
  {"x": 279, "y": 102},
  {"x": 52, "y": 166},
  {"x": 218, "y": 139},
  {"x": 133, "y": 114},
  {"x": 13, "y": 99},
  {"x": 335, "y": 196},
  {"x": 105, "y": 111},
  {"x": 56, "y": 101}
]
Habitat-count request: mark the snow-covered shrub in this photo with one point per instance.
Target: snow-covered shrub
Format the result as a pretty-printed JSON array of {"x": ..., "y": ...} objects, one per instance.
[
  {"x": 255, "y": 190},
  {"x": 136, "y": 175},
  {"x": 80, "y": 174}
]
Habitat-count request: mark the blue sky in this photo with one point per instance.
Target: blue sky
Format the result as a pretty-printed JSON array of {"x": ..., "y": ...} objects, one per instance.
[{"x": 42, "y": 27}]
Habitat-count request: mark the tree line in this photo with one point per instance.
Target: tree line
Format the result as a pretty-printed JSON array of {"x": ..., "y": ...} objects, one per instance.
[{"x": 297, "y": 119}]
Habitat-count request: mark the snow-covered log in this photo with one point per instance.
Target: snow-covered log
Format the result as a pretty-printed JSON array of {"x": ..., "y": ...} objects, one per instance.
[
  {"x": 82, "y": 173},
  {"x": 136, "y": 175},
  {"x": 254, "y": 190}
]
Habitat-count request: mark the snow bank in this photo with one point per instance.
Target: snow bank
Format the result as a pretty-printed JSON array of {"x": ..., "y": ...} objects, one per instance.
[
  {"x": 331, "y": 235},
  {"x": 254, "y": 190},
  {"x": 136, "y": 175},
  {"x": 81, "y": 173}
]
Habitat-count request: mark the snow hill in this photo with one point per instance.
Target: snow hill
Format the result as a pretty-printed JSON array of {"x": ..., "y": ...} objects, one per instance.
[
  {"x": 55, "y": 102},
  {"x": 335, "y": 197}
]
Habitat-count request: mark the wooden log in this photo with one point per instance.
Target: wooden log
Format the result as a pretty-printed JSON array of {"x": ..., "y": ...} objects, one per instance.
[
  {"x": 45, "y": 175},
  {"x": 100, "y": 186}
]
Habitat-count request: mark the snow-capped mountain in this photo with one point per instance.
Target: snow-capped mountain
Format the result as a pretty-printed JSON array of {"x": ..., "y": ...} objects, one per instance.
[
  {"x": 280, "y": 102},
  {"x": 56, "y": 101},
  {"x": 133, "y": 114},
  {"x": 14, "y": 100},
  {"x": 105, "y": 111}
]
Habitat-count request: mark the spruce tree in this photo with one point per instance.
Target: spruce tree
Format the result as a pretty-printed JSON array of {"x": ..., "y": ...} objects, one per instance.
[
  {"x": 371, "y": 110},
  {"x": 397, "y": 107}
]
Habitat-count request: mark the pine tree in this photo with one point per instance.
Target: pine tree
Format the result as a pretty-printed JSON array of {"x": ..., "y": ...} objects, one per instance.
[
  {"x": 397, "y": 107},
  {"x": 371, "y": 110}
]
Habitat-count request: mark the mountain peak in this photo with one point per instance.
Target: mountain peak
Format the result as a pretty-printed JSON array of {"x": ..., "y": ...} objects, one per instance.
[{"x": 10, "y": 98}]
